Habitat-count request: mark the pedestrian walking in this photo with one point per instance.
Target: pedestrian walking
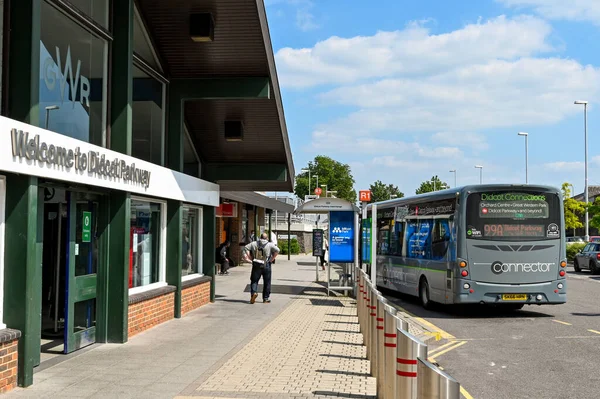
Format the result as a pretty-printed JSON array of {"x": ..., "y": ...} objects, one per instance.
[
  {"x": 325, "y": 249},
  {"x": 263, "y": 254},
  {"x": 222, "y": 256}
]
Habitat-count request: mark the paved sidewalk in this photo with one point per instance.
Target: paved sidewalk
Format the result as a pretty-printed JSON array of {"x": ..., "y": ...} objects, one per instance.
[{"x": 302, "y": 345}]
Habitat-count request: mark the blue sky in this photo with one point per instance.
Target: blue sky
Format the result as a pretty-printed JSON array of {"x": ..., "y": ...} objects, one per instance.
[{"x": 403, "y": 90}]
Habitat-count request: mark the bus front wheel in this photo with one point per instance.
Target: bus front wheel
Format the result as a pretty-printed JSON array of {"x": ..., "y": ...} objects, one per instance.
[{"x": 424, "y": 294}]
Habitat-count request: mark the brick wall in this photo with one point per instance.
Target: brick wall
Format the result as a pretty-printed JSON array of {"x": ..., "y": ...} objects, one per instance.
[
  {"x": 145, "y": 312},
  {"x": 9, "y": 356},
  {"x": 195, "y": 296}
]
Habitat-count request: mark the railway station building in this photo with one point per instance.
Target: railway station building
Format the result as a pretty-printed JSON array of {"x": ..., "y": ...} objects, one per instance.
[{"x": 122, "y": 123}]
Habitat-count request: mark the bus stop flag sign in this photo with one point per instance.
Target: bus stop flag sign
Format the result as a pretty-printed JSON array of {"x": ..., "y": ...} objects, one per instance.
[
  {"x": 341, "y": 237},
  {"x": 86, "y": 234}
]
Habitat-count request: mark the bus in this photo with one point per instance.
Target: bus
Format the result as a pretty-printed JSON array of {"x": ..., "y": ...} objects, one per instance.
[{"x": 483, "y": 244}]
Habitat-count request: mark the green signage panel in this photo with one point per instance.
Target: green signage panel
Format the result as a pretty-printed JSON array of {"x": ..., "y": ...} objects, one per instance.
[{"x": 86, "y": 234}]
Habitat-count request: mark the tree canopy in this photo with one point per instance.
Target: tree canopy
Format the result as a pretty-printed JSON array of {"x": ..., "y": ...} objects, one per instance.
[
  {"x": 336, "y": 175},
  {"x": 383, "y": 192},
  {"x": 573, "y": 209},
  {"x": 433, "y": 184}
]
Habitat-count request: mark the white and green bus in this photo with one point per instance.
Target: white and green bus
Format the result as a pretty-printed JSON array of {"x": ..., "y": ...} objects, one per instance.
[{"x": 490, "y": 244}]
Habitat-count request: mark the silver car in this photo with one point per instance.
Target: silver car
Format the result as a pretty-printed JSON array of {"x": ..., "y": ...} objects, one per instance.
[{"x": 588, "y": 258}]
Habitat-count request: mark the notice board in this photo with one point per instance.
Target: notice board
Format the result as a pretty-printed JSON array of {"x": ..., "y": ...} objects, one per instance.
[
  {"x": 341, "y": 236},
  {"x": 317, "y": 243}
]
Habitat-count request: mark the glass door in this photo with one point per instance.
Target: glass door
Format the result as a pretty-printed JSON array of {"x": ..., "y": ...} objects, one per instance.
[{"x": 82, "y": 266}]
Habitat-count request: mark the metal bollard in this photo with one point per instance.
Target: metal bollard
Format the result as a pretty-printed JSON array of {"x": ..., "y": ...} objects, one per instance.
[
  {"x": 373, "y": 331},
  {"x": 433, "y": 383},
  {"x": 359, "y": 301},
  {"x": 383, "y": 344},
  {"x": 408, "y": 349},
  {"x": 367, "y": 310}
]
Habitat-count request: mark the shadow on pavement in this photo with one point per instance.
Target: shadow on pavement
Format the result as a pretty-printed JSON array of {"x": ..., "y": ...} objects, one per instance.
[
  {"x": 586, "y": 314},
  {"x": 291, "y": 289},
  {"x": 234, "y": 300},
  {"x": 351, "y": 373},
  {"x": 343, "y": 356},
  {"x": 475, "y": 311},
  {"x": 343, "y": 343},
  {"x": 344, "y": 395}
]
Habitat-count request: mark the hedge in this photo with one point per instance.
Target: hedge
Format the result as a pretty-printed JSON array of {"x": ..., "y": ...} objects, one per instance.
[
  {"x": 283, "y": 246},
  {"x": 573, "y": 249}
]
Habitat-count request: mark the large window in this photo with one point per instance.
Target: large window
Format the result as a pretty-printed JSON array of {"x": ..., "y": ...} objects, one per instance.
[
  {"x": 95, "y": 9},
  {"x": 147, "y": 239},
  {"x": 73, "y": 78},
  {"x": 513, "y": 216},
  {"x": 2, "y": 213},
  {"x": 191, "y": 237}
]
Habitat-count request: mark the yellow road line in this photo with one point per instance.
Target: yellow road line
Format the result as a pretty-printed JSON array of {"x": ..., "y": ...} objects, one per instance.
[
  {"x": 439, "y": 348},
  {"x": 466, "y": 394},
  {"x": 443, "y": 333},
  {"x": 594, "y": 331},
  {"x": 457, "y": 345},
  {"x": 562, "y": 322}
]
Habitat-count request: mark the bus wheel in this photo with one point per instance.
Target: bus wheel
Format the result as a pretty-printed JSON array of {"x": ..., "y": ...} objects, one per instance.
[
  {"x": 576, "y": 266},
  {"x": 424, "y": 294}
]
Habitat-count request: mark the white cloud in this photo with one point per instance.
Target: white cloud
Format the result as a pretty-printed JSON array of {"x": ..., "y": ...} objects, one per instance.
[
  {"x": 475, "y": 141},
  {"x": 305, "y": 19},
  {"x": 412, "y": 51},
  {"x": 564, "y": 166},
  {"x": 577, "y": 10}
]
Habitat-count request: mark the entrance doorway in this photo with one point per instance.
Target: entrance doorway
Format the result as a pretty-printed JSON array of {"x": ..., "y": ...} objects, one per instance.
[{"x": 72, "y": 228}]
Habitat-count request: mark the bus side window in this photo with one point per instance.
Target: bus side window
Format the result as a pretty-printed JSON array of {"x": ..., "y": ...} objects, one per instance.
[{"x": 440, "y": 239}]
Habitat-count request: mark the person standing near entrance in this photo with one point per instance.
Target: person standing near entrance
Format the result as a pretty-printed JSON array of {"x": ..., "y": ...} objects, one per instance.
[
  {"x": 222, "y": 250},
  {"x": 263, "y": 254}
]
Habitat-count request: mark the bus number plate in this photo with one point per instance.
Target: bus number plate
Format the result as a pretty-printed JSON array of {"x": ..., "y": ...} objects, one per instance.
[{"x": 514, "y": 297}]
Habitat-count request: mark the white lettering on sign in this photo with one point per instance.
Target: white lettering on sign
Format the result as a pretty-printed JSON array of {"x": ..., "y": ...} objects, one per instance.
[{"x": 75, "y": 85}]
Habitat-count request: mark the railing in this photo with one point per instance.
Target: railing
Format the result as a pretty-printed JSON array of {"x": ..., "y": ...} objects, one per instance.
[{"x": 398, "y": 358}]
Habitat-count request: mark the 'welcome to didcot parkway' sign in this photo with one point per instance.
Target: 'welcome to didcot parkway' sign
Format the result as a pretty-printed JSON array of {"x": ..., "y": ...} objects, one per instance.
[{"x": 93, "y": 162}]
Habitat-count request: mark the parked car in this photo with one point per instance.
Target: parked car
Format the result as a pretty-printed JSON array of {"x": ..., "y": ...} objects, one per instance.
[
  {"x": 594, "y": 238},
  {"x": 573, "y": 240},
  {"x": 588, "y": 258}
]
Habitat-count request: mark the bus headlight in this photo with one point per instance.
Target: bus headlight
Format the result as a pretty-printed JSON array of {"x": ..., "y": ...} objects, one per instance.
[
  {"x": 466, "y": 286},
  {"x": 560, "y": 286}
]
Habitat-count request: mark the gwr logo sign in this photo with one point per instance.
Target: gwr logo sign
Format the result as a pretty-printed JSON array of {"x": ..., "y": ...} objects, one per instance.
[{"x": 365, "y": 195}]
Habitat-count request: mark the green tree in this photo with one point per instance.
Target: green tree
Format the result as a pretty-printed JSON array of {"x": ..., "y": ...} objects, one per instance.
[
  {"x": 433, "y": 184},
  {"x": 383, "y": 192},
  {"x": 336, "y": 175},
  {"x": 574, "y": 209}
]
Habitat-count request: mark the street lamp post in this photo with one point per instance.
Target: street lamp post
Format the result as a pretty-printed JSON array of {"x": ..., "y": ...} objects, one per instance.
[
  {"x": 480, "y": 167},
  {"x": 587, "y": 215},
  {"x": 325, "y": 185},
  {"x": 454, "y": 171},
  {"x": 304, "y": 171},
  {"x": 48, "y": 109},
  {"x": 317, "y": 176},
  {"x": 434, "y": 187},
  {"x": 526, "y": 156}
]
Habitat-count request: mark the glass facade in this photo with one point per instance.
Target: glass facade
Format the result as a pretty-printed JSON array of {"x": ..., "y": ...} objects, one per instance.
[
  {"x": 73, "y": 78},
  {"x": 145, "y": 238},
  {"x": 148, "y": 117},
  {"x": 190, "y": 241},
  {"x": 97, "y": 10}
]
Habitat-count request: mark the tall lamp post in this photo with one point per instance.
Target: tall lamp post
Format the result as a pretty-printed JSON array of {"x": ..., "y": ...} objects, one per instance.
[
  {"x": 434, "y": 187},
  {"x": 307, "y": 170},
  {"x": 587, "y": 215},
  {"x": 526, "y": 135},
  {"x": 317, "y": 176},
  {"x": 454, "y": 171},
  {"x": 480, "y": 167}
]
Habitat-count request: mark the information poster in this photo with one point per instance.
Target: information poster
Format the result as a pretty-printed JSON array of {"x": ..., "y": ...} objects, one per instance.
[
  {"x": 318, "y": 242},
  {"x": 341, "y": 237},
  {"x": 366, "y": 240}
]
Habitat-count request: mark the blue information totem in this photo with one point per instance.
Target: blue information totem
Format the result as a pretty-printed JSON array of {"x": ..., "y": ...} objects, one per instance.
[{"x": 341, "y": 236}]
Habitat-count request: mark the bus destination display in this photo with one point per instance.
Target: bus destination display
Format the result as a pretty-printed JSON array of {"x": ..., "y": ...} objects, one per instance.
[
  {"x": 513, "y": 206},
  {"x": 514, "y": 230}
]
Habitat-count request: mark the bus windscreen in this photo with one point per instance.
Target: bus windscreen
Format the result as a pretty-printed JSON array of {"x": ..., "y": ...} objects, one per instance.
[{"x": 513, "y": 216}]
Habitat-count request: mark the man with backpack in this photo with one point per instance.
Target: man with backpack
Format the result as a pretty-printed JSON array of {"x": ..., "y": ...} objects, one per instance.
[
  {"x": 263, "y": 254},
  {"x": 222, "y": 256}
]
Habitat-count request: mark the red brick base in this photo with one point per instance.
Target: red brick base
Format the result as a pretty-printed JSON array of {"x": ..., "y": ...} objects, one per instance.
[
  {"x": 150, "y": 313},
  {"x": 194, "y": 297},
  {"x": 9, "y": 356}
]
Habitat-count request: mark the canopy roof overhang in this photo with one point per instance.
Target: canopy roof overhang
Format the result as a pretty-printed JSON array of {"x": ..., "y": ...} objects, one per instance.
[
  {"x": 232, "y": 77},
  {"x": 326, "y": 205},
  {"x": 256, "y": 199}
]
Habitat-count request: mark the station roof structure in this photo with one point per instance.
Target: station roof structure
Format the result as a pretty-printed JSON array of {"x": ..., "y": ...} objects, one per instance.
[
  {"x": 326, "y": 205},
  {"x": 230, "y": 77}
]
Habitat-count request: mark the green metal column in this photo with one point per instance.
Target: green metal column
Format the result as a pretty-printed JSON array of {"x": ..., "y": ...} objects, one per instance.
[
  {"x": 209, "y": 245},
  {"x": 23, "y": 271},
  {"x": 175, "y": 133},
  {"x": 117, "y": 303},
  {"x": 174, "y": 248},
  {"x": 24, "y": 61},
  {"x": 270, "y": 213},
  {"x": 121, "y": 89}
]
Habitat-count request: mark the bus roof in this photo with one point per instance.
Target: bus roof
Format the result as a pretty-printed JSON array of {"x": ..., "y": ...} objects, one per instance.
[{"x": 452, "y": 192}]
